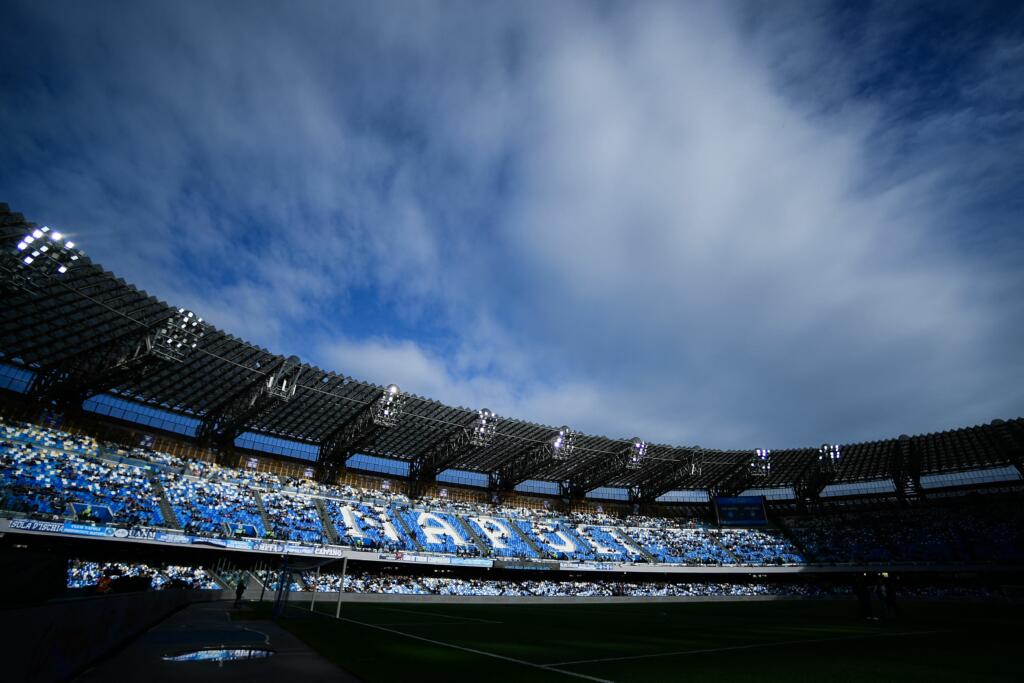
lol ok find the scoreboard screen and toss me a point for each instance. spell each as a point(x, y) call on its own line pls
point(740, 511)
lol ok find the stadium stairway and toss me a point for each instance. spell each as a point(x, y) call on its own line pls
point(527, 540)
point(485, 550)
point(636, 546)
point(409, 532)
point(170, 519)
point(215, 574)
point(726, 550)
point(780, 523)
point(264, 517)
point(326, 523)
point(254, 587)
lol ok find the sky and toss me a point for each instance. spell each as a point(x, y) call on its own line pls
point(732, 224)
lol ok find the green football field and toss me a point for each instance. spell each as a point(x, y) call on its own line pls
point(737, 641)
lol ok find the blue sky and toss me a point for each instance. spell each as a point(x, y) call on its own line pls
point(733, 224)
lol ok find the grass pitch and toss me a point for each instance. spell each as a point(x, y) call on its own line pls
point(738, 641)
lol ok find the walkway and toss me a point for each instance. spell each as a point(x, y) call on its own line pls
point(207, 625)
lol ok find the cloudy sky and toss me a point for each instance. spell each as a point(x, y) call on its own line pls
point(732, 224)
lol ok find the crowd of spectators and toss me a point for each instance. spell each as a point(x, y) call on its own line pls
point(438, 532)
point(213, 506)
point(499, 534)
point(682, 546)
point(362, 582)
point(983, 532)
point(47, 472)
point(103, 576)
point(362, 526)
point(36, 478)
point(753, 546)
point(211, 499)
point(293, 517)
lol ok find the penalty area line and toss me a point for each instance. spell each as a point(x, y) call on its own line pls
point(545, 667)
point(754, 646)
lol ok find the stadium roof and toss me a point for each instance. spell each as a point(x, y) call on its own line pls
point(81, 332)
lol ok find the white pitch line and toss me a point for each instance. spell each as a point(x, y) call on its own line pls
point(545, 667)
point(745, 647)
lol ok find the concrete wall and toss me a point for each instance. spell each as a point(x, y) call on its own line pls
point(54, 641)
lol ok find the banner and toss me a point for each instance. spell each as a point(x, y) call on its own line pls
point(178, 538)
point(86, 529)
point(596, 566)
point(328, 551)
point(169, 537)
point(520, 564)
point(34, 525)
point(470, 562)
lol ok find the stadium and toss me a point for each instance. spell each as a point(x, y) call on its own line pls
point(150, 457)
point(457, 340)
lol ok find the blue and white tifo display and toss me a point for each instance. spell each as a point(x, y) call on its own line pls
point(53, 482)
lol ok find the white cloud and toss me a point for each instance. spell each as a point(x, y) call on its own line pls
point(582, 404)
point(647, 220)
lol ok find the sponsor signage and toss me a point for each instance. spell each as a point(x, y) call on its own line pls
point(77, 529)
point(267, 547)
point(177, 538)
point(35, 525)
point(513, 564)
point(596, 566)
point(470, 562)
point(142, 534)
point(168, 537)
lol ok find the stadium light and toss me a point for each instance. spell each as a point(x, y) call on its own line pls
point(280, 385)
point(179, 336)
point(485, 428)
point(697, 458)
point(284, 381)
point(829, 457)
point(40, 254)
point(760, 463)
point(388, 410)
point(563, 444)
point(636, 454)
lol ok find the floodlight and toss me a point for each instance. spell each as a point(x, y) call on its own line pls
point(179, 335)
point(388, 409)
point(280, 384)
point(697, 458)
point(636, 454)
point(563, 444)
point(760, 463)
point(485, 428)
point(43, 253)
point(829, 456)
